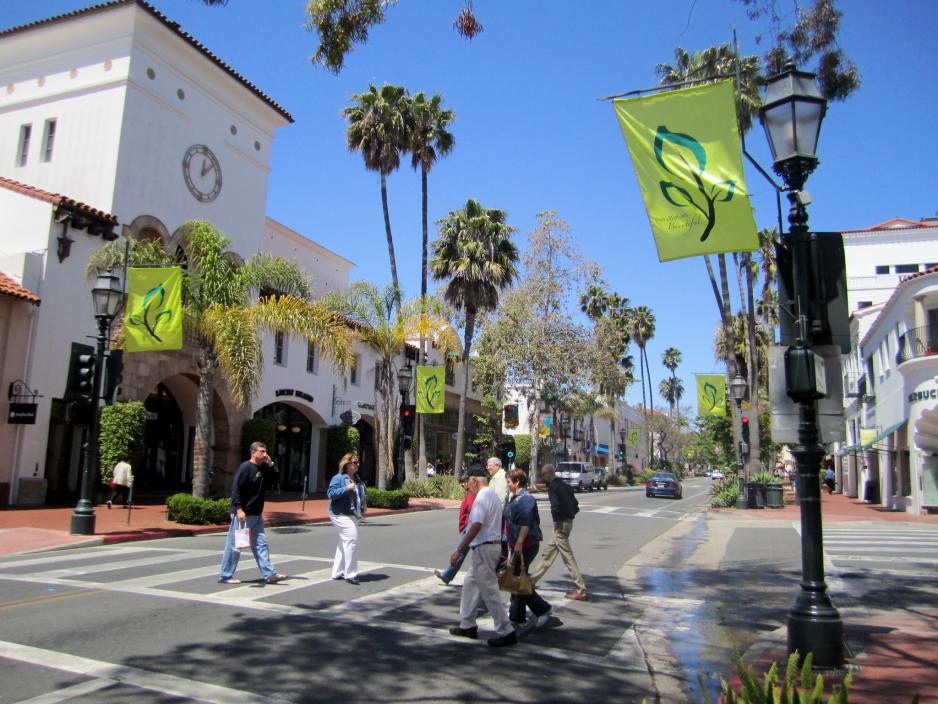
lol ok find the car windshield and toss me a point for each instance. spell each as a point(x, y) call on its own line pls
point(569, 467)
point(664, 477)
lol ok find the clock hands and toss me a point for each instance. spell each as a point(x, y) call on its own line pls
point(206, 167)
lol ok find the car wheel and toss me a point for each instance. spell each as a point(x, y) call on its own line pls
point(647, 494)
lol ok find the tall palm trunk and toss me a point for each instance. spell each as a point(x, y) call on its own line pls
point(755, 446)
point(461, 422)
point(421, 418)
point(385, 416)
point(202, 453)
point(387, 231)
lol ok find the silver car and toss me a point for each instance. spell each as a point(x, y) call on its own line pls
point(579, 475)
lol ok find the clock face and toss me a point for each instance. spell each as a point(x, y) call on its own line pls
point(202, 172)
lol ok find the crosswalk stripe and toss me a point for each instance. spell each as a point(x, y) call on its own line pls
point(191, 690)
point(67, 556)
point(66, 693)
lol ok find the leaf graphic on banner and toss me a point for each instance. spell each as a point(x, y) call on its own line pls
point(710, 395)
point(430, 392)
point(679, 150)
point(150, 307)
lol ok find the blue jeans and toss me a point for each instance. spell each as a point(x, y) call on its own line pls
point(451, 569)
point(229, 562)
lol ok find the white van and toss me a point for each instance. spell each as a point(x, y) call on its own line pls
point(579, 475)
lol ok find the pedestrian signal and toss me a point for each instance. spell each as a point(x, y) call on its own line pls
point(408, 412)
point(511, 454)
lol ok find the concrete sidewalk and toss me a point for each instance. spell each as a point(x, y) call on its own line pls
point(892, 647)
point(37, 529)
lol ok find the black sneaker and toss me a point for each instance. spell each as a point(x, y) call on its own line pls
point(502, 641)
point(441, 577)
point(472, 632)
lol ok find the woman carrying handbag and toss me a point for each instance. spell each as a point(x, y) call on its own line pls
point(523, 530)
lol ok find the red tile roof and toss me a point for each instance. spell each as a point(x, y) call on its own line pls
point(174, 26)
point(8, 287)
point(57, 200)
point(899, 224)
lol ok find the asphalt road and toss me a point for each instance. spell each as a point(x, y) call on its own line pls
point(149, 621)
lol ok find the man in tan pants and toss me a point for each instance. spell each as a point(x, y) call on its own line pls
point(563, 509)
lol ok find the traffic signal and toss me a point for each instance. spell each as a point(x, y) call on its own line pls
point(408, 413)
point(84, 377)
point(113, 376)
point(744, 434)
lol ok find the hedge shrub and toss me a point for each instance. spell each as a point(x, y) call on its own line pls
point(724, 494)
point(185, 508)
point(386, 498)
point(522, 450)
point(121, 436)
point(445, 487)
point(618, 480)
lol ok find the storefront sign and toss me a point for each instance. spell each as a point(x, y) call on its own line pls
point(22, 414)
point(926, 395)
point(294, 392)
point(366, 406)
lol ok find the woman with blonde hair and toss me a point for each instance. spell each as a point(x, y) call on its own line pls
point(346, 507)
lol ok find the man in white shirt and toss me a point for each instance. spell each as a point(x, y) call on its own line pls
point(497, 479)
point(483, 540)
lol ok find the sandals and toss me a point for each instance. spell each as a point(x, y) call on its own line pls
point(274, 578)
point(230, 580)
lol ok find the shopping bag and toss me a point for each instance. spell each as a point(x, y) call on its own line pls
point(515, 578)
point(242, 538)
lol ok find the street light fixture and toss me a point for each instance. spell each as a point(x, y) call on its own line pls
point(107, 296)
point(404, 376)
point(738, 389)
point(792, 114)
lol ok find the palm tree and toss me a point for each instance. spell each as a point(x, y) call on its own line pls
point(378, 128)
point(384, 326)
point(595, 302)
point(671, 358)
point(226, 303)
point(642, 323)
point(428, 139)
point(476, 257)
point(672, 390)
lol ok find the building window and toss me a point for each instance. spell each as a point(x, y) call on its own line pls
point(906, 268)
point(930, 266)
point(864, 304)
point(48, 140)
point(882, 269)
point(22, 155)
point(311, 358)
point(353, 370)
point(280, 349)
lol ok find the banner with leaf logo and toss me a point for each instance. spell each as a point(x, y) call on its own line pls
point(711, 395)
point(154, 309)
point(686, 152)
point(431, 390)
point(635, 435)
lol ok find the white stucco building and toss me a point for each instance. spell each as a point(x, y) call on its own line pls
point(115, 122)
point(891, 374)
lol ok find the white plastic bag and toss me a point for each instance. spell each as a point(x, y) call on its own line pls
point(242, 538)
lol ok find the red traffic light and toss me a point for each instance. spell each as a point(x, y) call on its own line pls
point(405, 412)
point(744, 420)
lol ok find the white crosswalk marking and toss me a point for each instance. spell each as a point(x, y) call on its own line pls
point(911, 551)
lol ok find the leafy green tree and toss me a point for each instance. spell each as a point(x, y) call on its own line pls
point(378, 128)
point(476, 258)
point(341, 24)
point(386, 328)
point(223, 317)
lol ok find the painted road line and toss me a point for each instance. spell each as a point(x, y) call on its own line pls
point(188, 689)
point(67, 693)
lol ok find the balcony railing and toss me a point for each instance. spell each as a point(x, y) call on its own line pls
point(917, 342)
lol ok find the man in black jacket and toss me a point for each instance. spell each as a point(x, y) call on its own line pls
point(247, 510)
point(563, 509)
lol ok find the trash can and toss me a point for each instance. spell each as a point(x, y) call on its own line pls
point(756, 493)
point(871, 493)
point(774, 497)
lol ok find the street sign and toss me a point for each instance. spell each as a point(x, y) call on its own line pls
point(22, 414)
point(350, 417)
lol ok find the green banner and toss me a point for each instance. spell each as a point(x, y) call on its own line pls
point(635, 434)
point(154, 310)
point(686, 152)
point(431, 389)
point(711, 395)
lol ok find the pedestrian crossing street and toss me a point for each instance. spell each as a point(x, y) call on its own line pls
point(870, 550)
point(406, 598)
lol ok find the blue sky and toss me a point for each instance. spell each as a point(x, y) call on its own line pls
point(532, 136)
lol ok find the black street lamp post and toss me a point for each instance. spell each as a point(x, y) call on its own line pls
point(738, 388)
point(792, 115)
point(108, 296)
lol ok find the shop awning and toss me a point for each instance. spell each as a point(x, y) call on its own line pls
point(602, 449)
point(888, 431)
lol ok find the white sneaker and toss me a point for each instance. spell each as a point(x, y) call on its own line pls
point(543, 618)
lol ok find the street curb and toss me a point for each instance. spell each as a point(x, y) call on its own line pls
point(188, 532)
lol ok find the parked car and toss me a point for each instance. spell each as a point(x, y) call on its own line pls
point(717, 474)
point(602, 478)
point(579, 475)
point(664, 484)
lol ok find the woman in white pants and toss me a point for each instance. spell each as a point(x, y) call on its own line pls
point(346, 506)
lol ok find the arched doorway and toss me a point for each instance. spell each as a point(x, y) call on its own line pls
point(366, 451)
point(291, 449)
point(164, 437)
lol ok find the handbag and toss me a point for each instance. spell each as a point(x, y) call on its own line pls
point(242, 538)
point(514, 578)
